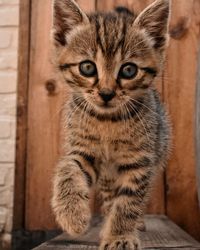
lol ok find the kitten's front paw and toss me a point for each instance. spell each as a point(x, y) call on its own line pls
point(74, 217)
point(120, 243)
point(141, 225)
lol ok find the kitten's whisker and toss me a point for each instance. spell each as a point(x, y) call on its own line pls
point(88, 110)
point(131, 105)
point(84, 119)
point(129, 115)
point(127, 128)
point(134, 100)
point(70, 116)
point(72, 112)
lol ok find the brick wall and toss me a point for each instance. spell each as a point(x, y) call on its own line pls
point(9, 12)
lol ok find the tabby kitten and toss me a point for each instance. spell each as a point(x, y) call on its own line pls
point(117, 132)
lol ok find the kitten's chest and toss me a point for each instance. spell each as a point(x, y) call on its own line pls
point(108, 133)
point(108, 152)
point(107, 157)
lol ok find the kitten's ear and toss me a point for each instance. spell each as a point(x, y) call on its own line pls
point(67, 17)
point(155, 21)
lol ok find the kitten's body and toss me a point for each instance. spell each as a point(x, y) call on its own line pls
point(118, 146)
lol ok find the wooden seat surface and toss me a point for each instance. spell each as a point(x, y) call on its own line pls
point(161, 233)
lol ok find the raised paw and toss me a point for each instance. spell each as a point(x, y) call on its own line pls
point(74, 215)
point(121, 243)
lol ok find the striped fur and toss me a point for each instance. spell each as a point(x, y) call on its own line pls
point(119, 146)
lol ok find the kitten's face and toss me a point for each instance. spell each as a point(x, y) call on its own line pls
point(110, 59)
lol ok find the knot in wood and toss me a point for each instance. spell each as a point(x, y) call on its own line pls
point(51, 87)
point(180, 29)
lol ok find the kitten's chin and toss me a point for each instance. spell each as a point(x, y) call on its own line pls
point(105, 108)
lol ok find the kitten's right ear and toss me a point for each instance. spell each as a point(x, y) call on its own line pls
point(155, 21)
point(67, 17)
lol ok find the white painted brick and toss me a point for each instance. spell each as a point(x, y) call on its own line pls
point(8, 82)
point(15, 37)
point(8, 104)
point(9, 15)
point(5, 129)
point(3, 213)
point(9, 2)
point(8, 60)
point(9, 198)
point(4, 193)
point(10, 183)
point(6, 170)
point(9, 221)
point(5, 38)
point(9, 19)
point(7, 151)
point(13, 129)
point(3, 216)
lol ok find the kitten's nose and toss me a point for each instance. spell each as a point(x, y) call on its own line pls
point(107, 94)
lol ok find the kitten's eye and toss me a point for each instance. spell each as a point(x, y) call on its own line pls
point(88, 69)
point(128, 71)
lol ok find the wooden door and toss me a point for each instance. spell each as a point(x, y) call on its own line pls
point(176, 192)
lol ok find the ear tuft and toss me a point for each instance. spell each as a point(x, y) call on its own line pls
point(155, 21)
point(67, 16)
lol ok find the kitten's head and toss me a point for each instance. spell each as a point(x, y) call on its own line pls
point(108, 59)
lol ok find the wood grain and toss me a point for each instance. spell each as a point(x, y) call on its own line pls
point(180, 95)
point(161, 234)
point(198, 128)
point(157, 199)
point(22, 101)
point(44, 106)
point(135, 5)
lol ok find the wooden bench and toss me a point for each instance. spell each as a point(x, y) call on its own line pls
point(161, 234)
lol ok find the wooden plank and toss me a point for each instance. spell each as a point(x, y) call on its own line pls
point(157, 199)
point(135, 5)
point(86, 5)
point(198, 128)
point(161, 234)
point(45, 98)
point(42, 121)
point(180, 93)
point(22, 96)
point(83, 247)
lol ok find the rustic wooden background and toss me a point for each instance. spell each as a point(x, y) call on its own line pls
point(39, 102)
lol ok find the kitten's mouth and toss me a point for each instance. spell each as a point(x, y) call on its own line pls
point(106, 105)
point(105, 110)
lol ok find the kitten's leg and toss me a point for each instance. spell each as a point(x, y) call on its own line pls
point(105, 187)
point(120, 228)
point(73, 179)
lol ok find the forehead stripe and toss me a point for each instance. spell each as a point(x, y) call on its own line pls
point(98, 35)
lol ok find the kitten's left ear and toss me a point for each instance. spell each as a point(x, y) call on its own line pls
point(67, 17)
point(155, 21)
